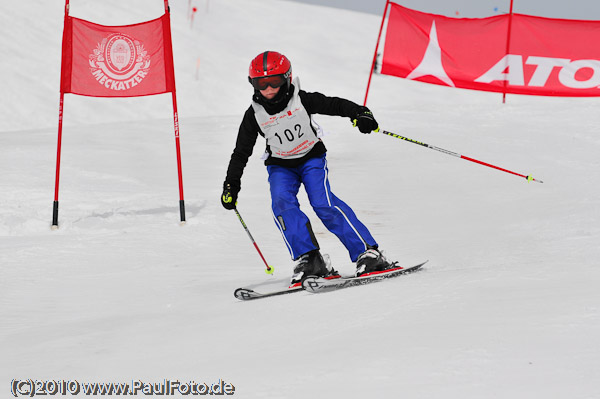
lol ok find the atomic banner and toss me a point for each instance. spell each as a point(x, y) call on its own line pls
point(510, 53)
point(117, 61)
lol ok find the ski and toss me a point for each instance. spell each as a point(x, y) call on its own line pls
point(317, 284)
point(248, 293)
point(321, 284)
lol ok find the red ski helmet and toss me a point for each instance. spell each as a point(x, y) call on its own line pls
point(270, 69)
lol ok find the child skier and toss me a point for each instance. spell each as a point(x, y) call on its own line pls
point(295, 154)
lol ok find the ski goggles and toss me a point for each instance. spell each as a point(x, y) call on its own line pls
point(261, 83)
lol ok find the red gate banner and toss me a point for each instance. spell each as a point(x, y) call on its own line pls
point(550, 57)
point(117, 61)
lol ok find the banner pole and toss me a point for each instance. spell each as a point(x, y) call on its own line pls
point(179, 169)
point(176, 126)
point(58, 152)
point(508, 46)
point(376, 48)
point(60, 128)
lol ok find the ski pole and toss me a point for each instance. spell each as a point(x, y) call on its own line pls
point(269, 269)
point(454, 154)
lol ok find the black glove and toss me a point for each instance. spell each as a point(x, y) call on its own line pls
point(365, 121)
point(229, 196)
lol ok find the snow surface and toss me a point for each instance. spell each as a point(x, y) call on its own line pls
point(507, 307)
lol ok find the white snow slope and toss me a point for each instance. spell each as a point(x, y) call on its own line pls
point(507, 307)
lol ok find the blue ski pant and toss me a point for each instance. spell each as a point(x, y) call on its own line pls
point(294, 225)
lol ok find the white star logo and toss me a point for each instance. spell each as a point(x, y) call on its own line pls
point(431, 64)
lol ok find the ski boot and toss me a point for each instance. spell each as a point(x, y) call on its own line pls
point(372, 260)
point(311, 264)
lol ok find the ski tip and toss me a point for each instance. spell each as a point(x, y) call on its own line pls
point(417, 267)
point(243, 294)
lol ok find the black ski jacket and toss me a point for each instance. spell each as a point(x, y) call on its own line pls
point(314, 103)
